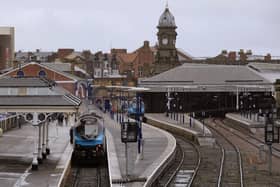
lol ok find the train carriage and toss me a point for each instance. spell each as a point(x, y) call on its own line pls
point(88, 137)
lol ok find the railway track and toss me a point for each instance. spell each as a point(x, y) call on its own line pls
point(194, 165)
point(208, 171)
point(183, 169)
point(255, 141)
point(87, 176)
point(254, 165)
point(231, 170)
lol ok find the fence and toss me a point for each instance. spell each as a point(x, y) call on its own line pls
point(9, 123)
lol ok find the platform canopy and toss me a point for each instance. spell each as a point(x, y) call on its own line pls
point(39, 103)
point(33, 94)
point(208, 78)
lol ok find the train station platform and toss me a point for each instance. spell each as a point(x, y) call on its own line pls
point(158, 148)
point(193, 127)
point(252, 121)
point(16, 152)
point(248, 122)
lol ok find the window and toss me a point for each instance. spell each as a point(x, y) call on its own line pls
point(140, 71)
point(42, 73)
point(20, 74)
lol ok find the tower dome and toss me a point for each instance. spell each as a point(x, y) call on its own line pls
point(166, 19)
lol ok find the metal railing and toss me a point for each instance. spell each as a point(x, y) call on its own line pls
point(8, 123)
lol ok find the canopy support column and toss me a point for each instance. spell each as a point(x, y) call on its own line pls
point(35, 153)
point(40, 160)
point(47, 136)
point(44, 154)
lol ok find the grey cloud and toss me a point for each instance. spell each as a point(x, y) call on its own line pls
point(205, 27)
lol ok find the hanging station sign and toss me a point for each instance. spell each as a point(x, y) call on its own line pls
point(129, 131)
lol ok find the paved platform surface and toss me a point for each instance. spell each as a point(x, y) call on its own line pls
point(193, 125)
point(253, 122)
point(204, 137)
point(158, 145)
point(16, 151)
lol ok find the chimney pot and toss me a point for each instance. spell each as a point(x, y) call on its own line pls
point(146, 43)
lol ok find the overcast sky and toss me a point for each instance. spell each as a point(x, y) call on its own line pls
point(205, 27)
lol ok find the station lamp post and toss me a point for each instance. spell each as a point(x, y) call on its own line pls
point(241, 106)
point(259, 114)
point(168, 99)
point(169, 102)
point(172, 105)
point(176, 105)
point(139, 115)
point(271, 133)
point(250, 106)
point(245, 104)
point(203, 129)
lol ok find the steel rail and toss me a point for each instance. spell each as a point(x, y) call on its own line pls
point(237, 151)
point(252, 137)
point(198, 164)
point(221, 167)
point(177, 169)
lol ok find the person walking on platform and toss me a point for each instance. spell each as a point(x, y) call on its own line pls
point(19, 122)
point(66, 116)
point(60, 119)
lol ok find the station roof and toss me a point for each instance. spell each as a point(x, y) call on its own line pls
point(206, 77)
point(25, 82)
point(47, 103)
point(265, 67)
point(269, 71)
point(55, 101)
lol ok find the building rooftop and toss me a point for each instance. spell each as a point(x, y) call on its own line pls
point(40, 100)
point(7, 30)
point(25, 82)
point(265, 67)
point(59, 66)
point(208, 74)
point(269, 71)
point(208, 78)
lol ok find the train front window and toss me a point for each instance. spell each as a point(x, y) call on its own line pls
point(91, 130)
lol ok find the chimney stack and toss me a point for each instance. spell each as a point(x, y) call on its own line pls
point(242, 55)
point(267, 57)
point(232, 56)
point(224, 52)
point(146, 44)
point(249, 52)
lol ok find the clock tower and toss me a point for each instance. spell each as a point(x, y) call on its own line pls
point(166, 56)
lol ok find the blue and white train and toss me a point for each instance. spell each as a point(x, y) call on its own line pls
point(134, 110)
point(88, 137)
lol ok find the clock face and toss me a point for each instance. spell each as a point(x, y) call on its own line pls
point(164, 41)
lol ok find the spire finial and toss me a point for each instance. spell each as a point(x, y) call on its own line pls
point(166, 6)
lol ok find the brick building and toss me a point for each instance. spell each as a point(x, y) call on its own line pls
point(241, 57)
point(67, 81)
point(7, 47)
point(136, 64)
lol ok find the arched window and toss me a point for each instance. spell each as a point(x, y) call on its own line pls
point(20, 74)
point(42, 73)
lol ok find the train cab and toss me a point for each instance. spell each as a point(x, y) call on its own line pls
point(88, 137)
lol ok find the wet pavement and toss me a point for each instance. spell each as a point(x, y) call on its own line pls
point(16, 152)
